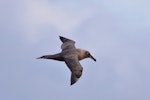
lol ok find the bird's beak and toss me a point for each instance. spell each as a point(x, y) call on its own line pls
point(38, 58)
point(92, 57)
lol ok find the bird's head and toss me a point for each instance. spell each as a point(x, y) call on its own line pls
point(88, 55)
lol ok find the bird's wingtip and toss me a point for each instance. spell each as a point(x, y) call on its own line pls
point(71, 84)
point(61, 36)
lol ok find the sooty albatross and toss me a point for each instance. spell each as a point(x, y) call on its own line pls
point(71, 56)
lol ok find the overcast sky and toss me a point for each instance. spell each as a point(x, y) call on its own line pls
point(116, 32)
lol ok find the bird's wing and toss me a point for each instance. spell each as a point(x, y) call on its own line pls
point(75, 67)
point(67, 43)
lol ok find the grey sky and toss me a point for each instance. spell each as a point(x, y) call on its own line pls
point(116, 32)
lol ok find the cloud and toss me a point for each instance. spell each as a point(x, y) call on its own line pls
point(38, 13)
point(121, 42)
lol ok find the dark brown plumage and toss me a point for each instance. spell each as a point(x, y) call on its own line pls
point(71, 56)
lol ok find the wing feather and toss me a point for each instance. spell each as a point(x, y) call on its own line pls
point(67, 43)
point(75, 68)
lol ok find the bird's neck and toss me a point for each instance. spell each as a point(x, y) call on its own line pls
point(81, 54)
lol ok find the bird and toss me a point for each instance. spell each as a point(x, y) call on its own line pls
point(71, 56)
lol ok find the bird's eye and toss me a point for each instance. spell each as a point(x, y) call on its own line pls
point(88, 54)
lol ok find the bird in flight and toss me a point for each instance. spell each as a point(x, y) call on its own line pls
point(71, 56)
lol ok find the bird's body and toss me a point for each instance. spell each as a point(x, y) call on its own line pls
point(71, 56)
